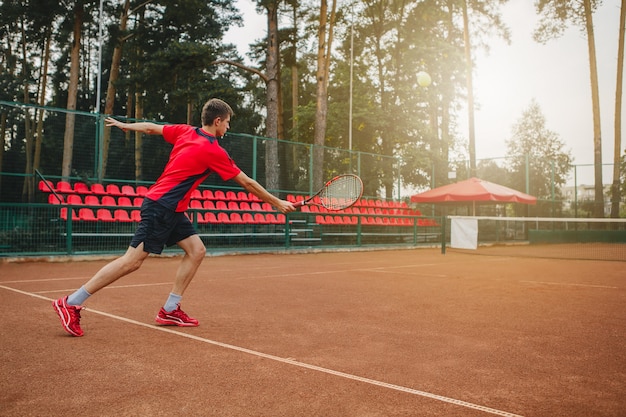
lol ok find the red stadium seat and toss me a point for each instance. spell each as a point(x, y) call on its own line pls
point(92, 200)
point(142, 190)
point(244, 206)
point(124, 202)
point(219, 195)
point(211, 218)
point(122, 216)
point(255, 207)
point(98, 189)
point(208, 205)
point(45, 186)
point(196, 204)
point(137, 201)
point(242, 196)
point(55, 199)
point(235, 218)
point(104, 215)
point(81, 188)
point(86, 214)
point(208, 195)
point(221, 205)
point(135, 215)
point(196, 195)
point(223, 218)
point(74, 200)
point(64, 212)
point(107, 200)
point(232, 205)
point(114, 190)
point(247, 218)
point(259, 218)
point(275, 219)
point(64, 187)
point(271, 218)
point(231, 196)
point(128, 190)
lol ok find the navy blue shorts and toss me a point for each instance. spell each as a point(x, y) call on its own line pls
point(160, 227)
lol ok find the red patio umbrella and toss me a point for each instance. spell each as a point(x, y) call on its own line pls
point(474, 190)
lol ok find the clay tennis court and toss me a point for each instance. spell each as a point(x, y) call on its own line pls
point(370, 333)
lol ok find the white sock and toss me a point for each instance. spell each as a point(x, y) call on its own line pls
point(172, 302)
point(78, 297)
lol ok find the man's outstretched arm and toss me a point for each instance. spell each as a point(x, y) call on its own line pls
point(143, 127)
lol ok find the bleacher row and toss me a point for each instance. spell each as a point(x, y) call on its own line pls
point(115, 203)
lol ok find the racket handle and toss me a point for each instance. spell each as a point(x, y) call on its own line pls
point(298, 204)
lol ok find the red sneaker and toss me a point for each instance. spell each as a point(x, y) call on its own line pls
point(69, 315)
point(175, 318)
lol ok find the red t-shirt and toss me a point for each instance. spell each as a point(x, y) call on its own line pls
point(195, 155)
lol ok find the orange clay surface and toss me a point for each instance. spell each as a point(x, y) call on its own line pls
point(372, 333)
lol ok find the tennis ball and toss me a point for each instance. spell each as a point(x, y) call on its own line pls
point(423, 79)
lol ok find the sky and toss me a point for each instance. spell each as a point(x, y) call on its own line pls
point(510, 76)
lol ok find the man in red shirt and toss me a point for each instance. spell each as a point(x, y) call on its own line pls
point(196, 154)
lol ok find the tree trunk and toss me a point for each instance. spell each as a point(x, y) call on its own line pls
point(595, 100)
point(294, 80)
point(138, 139)
point(617, 149)
point(109, 102)
point(3, 129)
point(27, 189)
point(323, 57)
point(72, 92)
point(42, 100)
point(470, 91)
point(272, 168)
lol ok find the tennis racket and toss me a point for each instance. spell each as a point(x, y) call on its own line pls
point(337, 194)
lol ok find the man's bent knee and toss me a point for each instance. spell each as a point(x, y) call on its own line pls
point(198, 252)
point(194, 248)
point(133, 258)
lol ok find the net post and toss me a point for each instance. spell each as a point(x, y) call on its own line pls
point(68, 229)
point(287, 232)
point(444, 221)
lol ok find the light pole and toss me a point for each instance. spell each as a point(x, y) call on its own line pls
point(351, 77)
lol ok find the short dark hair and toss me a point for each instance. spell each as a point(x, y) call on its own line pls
point(213, 109)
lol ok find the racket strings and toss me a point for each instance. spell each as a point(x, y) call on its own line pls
point(341, 192)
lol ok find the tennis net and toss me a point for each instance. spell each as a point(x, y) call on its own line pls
point(564, 238)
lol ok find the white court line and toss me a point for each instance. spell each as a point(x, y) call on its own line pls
point(292, 362)
point(565, 284)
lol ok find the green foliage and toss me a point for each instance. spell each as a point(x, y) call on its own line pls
point(168, 47)
point(555, 15)
point(534, 146)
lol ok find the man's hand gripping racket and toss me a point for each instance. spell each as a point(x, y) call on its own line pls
point(339, 193)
